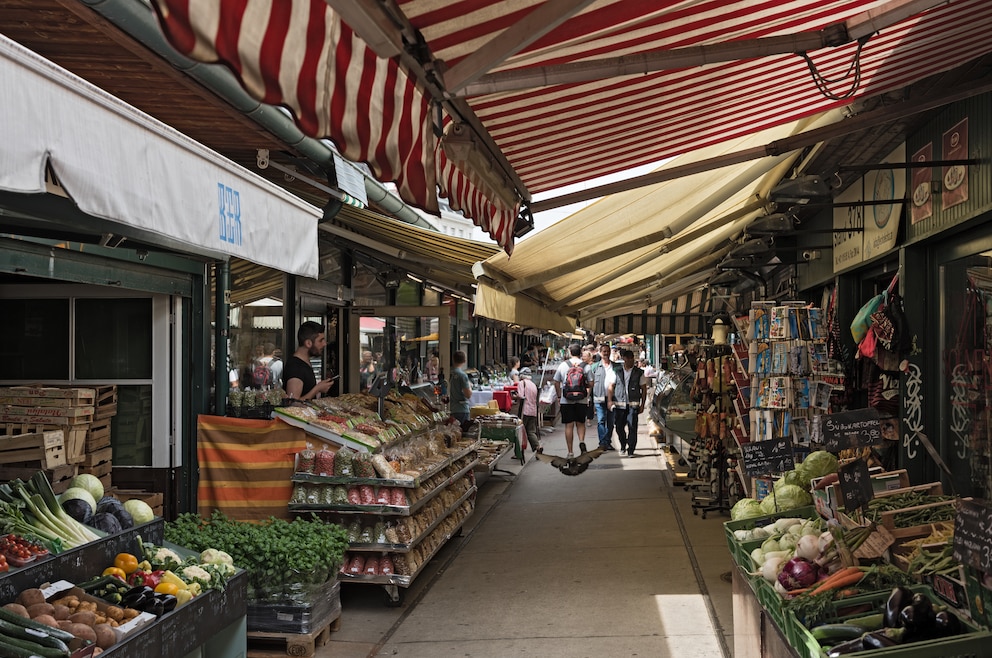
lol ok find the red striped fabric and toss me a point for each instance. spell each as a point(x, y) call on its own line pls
point(296, 52)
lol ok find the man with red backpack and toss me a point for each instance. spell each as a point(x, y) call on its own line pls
point(573, 384)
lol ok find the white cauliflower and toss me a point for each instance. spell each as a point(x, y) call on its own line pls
point(216, 556)
point(195, 573)
point(164, 558)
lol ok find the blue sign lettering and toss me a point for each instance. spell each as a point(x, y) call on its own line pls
point(229, 207)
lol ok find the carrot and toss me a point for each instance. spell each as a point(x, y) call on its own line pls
point(843, 578)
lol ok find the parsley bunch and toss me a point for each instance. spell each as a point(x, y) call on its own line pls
point(284, 560)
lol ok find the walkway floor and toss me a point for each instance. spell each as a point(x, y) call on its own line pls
point(609, 563)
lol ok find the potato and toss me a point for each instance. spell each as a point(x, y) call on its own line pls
point(96, 651)
point(65, 624)
point(105, 637)
point(17, 609)
point(41, 609)
point(47, 620)
point(83, 617)
point(83, 632)
point(29, 597)
point(61, 611)
point(114, 612)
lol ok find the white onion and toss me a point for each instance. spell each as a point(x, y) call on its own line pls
point(770, 569)
point(808, 547)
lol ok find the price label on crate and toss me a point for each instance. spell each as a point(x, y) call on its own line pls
point(973, 534)
point(767, 457)
point(855, 485)
point(849, 429)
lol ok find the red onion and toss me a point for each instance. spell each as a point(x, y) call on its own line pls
point(798, 573)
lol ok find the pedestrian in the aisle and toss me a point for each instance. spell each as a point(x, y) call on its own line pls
point(588, 354)
point(527, 390)
point(603, 377)
point(514, 369)
point(573, 386)
point(460, 389)
point(626, 397)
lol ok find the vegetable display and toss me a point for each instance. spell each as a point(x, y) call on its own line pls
point(284, 560)
point(32, 510)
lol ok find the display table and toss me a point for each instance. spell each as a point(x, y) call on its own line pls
point(755, 634)
point(504, 427)
point(480, 398)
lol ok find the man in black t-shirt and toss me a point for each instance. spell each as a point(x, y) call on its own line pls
point(301, 383)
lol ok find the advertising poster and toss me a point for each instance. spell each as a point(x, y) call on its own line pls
point(922, 201)
point(955, 177)
point(849, 226)
point(882, 220)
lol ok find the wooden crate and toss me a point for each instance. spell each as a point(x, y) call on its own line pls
point(99, 470)
point(81, 396)
point(60, 476)
point(155, 500)
point(888, 520)
point(97, 457)
point(44, 448)
point(106, 402)
point(43, 415)
point(97, 435)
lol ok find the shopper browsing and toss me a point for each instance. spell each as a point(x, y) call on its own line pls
point(626, 397)
point(460, 389)
point(301, 382)
point(572, 385)
point(514, 369)
point(527, 390)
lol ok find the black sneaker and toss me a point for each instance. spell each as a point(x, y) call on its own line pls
point(607, 448)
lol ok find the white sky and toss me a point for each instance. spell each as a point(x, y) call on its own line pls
point(545, 219)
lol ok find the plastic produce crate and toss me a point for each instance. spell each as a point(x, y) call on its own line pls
point(974, 643)
point(742, 557)
point(772, 602)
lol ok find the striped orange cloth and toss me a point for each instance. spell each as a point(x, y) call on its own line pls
point(246, 466)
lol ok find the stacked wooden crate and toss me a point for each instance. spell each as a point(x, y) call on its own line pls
point(44, 428)
point(98, 453)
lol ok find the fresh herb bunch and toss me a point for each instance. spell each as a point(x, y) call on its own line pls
point(284, 560)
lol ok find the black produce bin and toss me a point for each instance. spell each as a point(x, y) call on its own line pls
point(294, 617)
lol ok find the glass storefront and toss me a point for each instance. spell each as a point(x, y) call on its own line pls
point(966, 290)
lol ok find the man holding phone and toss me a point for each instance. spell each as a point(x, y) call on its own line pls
point(301, 383)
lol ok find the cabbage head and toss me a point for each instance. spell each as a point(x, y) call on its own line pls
point(817, 465)
point(788, 496)
point(745, 508)
point(791, 477)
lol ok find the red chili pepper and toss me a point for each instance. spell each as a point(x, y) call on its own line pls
point(136, 578)
point(154, 578)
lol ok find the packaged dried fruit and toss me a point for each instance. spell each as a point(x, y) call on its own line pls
point(354, 496)
point(339, 495)
point(305, 461)
point(362, 466)
point(367, 494)
point(357, 564)
point(386, 565)
point(398, 497)
point(324, 462)
point(372, 566)
point(342, 463)
point(383, 496)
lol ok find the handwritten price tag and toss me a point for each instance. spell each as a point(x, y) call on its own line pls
point(855, 485)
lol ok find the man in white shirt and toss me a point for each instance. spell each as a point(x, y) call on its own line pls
point(573, 408)
point(602, 377)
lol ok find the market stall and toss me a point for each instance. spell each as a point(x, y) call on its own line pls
point(840, 558)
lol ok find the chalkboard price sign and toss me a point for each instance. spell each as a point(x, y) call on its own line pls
point(855, 485)
point(767, 457)
point(849, 429)
point(973, 534)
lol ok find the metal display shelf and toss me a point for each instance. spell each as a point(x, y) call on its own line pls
point(385, 510)
point(394, 581)
point(405, 548)
point(503, 447)
point(385, 482)
point(324, 433)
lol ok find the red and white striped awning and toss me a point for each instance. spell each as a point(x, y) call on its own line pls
point(299, 53)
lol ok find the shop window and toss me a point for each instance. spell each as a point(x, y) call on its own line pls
point(113, 339)
point(967, 435)
point(34, 344)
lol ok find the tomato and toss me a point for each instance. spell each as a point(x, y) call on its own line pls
point(117, 572)
point(166, 588)
point(126, 562)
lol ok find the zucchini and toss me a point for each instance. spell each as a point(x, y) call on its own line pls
point(833, 633)
point(868, 622)
point(37, 636)
point(34, 647)
point(8, 650)
point(10, 617)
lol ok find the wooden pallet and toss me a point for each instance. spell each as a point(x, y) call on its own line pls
point(266, 644)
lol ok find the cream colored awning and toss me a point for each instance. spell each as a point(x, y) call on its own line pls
point(636, 249)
